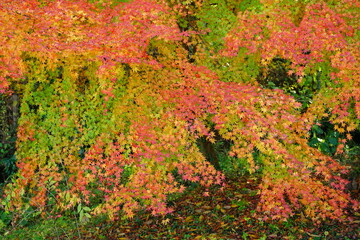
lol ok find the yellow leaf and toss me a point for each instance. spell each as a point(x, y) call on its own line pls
point(189, 219)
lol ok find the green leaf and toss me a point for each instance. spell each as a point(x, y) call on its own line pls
point(87, 209)
point(333, 141)
point(313, 142)
point(79, 208)
point(317, 129)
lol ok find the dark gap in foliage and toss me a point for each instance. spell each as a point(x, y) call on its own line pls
point(82, 81)
point(324, 137)
point(208, 150)
point(276, 76)
point(9, 114)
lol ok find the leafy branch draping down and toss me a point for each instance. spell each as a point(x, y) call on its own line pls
point(114, 97)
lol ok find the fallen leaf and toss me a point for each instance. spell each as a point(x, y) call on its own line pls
point(189, 219)
point(148, 222)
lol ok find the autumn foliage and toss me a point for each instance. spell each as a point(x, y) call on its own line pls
point(115, 96)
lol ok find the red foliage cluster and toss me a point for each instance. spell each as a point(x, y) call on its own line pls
point(112, 33)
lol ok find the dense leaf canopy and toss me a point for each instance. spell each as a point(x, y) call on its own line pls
point(116, 95)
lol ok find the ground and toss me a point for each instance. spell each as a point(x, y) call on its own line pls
point(227, 214)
